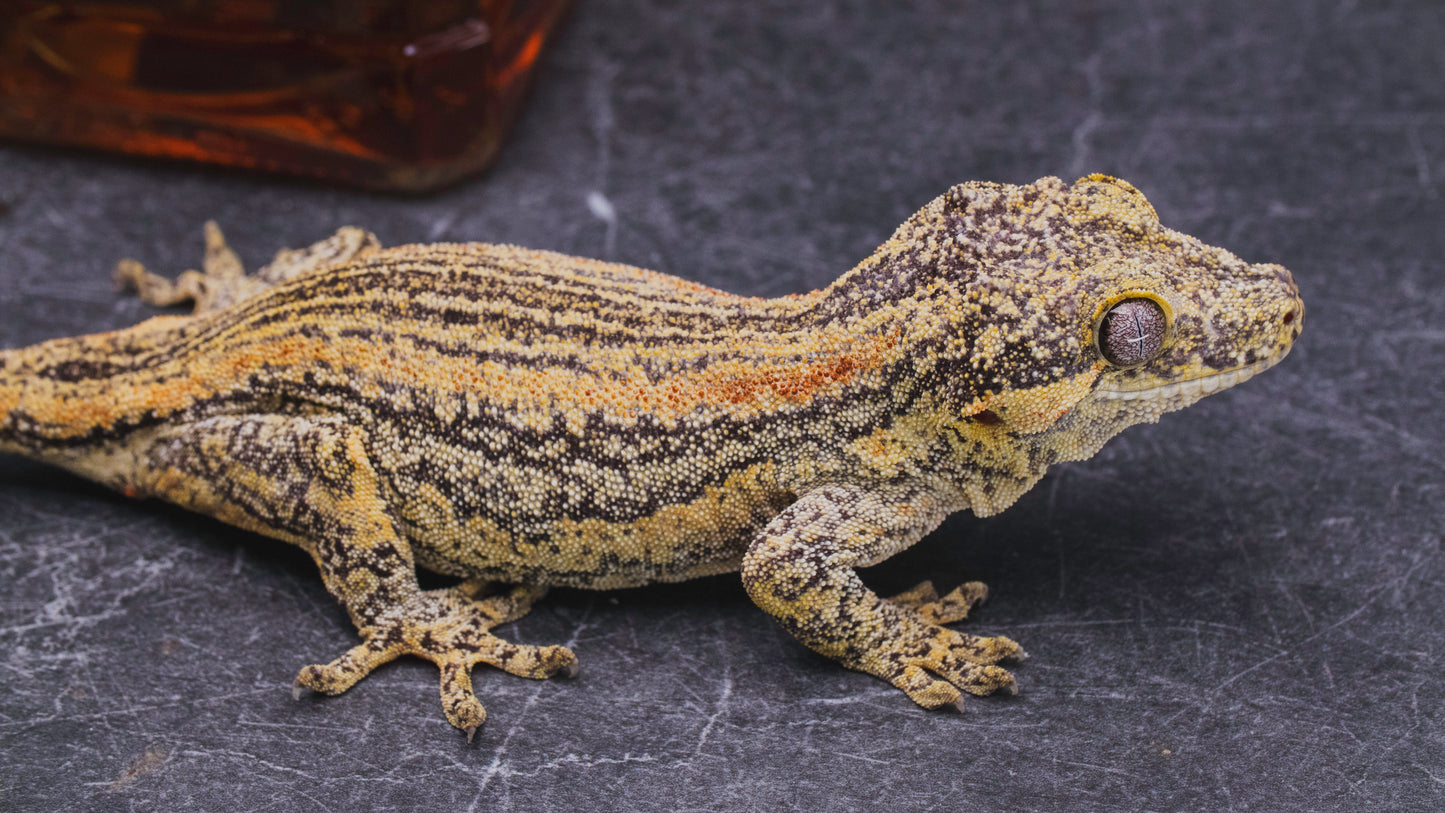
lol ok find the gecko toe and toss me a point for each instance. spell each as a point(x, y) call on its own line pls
point(570, 668)
point(462, 708)
point(990, 679)
point(927, 691)
point(924, 600)
point(993, 650)
point(344, 672)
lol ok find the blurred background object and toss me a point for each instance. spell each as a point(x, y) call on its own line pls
point(388, 94)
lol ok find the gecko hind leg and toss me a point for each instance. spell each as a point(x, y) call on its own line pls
point(223, 281)
point(310, 481)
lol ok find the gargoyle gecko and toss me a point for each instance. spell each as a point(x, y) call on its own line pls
point(522, 419)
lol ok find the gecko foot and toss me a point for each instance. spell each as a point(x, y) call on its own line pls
point(964, 662)
point(222, 281)
point(921, 651)
point(451, 629)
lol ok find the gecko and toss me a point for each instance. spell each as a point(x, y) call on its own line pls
point(521, 419)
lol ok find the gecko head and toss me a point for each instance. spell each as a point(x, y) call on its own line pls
point(1171, 319)
point(1065, 313)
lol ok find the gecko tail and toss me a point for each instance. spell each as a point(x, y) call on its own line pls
point(61, 398)
point(9, 402)
point(20, 430)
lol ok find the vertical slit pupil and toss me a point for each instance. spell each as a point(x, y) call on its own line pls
point(1132, 332)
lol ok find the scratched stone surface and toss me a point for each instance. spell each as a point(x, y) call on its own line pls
point(1237, 609)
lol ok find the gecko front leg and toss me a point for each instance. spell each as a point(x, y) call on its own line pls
point(310, 481)
point(800, 569)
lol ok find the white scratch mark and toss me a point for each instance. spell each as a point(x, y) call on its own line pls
point(1433, 778)
point(1422, 161)
point(1374, 593)
point(722, 706)
point(497, 766)
point(604, 122)
point(1081, 623)
point(862, 758)
point(1079, 163)
point(1104, 768)
point(852, 699)
point(591, 762)
point(441, 225)
point(603, 210)
point(249, 758)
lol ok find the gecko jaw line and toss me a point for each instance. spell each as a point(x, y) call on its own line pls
point(1204, 385)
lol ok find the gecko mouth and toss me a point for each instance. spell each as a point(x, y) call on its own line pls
point(1200, 387)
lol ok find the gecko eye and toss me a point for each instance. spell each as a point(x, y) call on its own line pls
point(1132, 332)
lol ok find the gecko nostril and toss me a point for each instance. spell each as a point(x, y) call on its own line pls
point(1289, 317)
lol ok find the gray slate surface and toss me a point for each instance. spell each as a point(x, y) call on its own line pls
point(1237, 609)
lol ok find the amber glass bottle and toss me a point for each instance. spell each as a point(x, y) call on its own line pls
point(387, 94)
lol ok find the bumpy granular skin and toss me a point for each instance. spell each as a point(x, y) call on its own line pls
point(525, 418)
